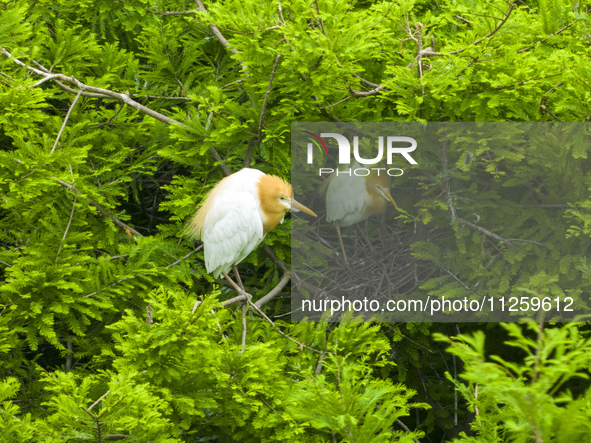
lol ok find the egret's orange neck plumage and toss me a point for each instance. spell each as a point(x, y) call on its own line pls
point(270, 189)
point(377, 204)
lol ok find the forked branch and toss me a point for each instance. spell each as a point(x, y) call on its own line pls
point(94, 92)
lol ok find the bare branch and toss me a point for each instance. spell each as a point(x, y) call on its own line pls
point(276, 290)
point(248, 154)
point(230, 301)
point(419, 27)
point(280, 11)
point(91, 91)
point(376, 90)
point(243, 295)
point(482, 230)
point(73, 91)
point(40, 82)
point(320, 363)
point(366, 94)
point(403, 426)
point(244, 325)
point(462, 18)
point(219, 35)
point(367, 82)
point(216, 31)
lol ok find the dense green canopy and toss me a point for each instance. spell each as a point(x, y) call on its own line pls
point(118, 116)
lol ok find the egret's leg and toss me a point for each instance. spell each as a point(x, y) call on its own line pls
point(364, 235)
point(232, 283)
point(238, 279)
point(244, 305)
point(337, 225)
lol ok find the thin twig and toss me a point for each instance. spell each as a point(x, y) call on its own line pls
point(543, 40)
point(67, 227)
point(419, 27)
point(110, 286)
point(462, 18)
point(367, 82)
point(301, 345)
point(160, 97)
point(490, 34)
point(403, 426)
point(99, 399)
point(102, 210)
point(266, 100)
point(69, 357)
point(497, 237)
point(232, 83)
point(40, 82)
point(197, 249)
point(340, 101)
point(114, 115)
point(544, 100)
point(381, 20)
point(59, 134)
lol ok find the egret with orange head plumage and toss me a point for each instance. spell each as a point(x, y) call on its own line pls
point(237, 214)
point(350, 199)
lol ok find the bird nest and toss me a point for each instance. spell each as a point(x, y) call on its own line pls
point(379, 265)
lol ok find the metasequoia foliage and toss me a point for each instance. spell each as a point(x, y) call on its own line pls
point(116, 119)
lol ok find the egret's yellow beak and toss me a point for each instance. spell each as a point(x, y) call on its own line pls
point(297, 206)
point(387, 194)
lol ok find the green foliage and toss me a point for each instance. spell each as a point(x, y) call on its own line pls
point(530, 400)
point(125, 408)
point(349, 403)
point(100, 334)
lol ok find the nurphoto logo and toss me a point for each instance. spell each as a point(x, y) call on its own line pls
point(394, 145)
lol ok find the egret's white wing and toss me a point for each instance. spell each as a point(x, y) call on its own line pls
point(233, 228)
point(344, 198)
